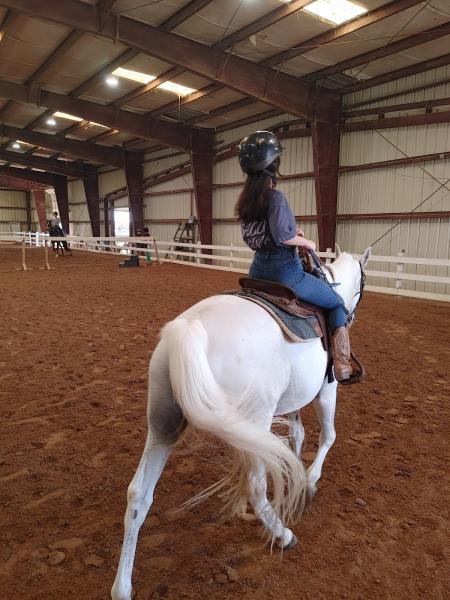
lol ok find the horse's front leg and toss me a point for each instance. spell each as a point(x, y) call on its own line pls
point(325, 405)
point(296, 433)
point(264, 510)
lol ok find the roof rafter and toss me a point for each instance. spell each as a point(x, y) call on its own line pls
point(263, 83)
point(409, 42)
point(86, 150)
point(327, 37)
point(47, 179)
point(175, 135)
point(49, 165)
point(361, 59)
point(425, 65)
point(271, 18)
point(21, 184)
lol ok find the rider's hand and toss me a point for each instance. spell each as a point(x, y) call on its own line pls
point(309, 245)
point(300, 232)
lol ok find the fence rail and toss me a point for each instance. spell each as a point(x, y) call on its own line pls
point(237, 258)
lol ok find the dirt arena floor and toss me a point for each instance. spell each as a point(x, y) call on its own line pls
point(74, 348)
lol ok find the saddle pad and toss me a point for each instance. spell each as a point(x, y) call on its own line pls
point(297, 329)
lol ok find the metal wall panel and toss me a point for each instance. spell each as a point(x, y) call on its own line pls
point(183, 182)
point(13, 213)
point(108, 182)
point(369, 95)
point(165, 163)
point(177, 206)
point(361, 147)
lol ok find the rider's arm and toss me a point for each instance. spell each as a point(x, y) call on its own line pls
point(298, 240)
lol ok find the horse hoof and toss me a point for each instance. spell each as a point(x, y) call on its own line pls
point(292, 543)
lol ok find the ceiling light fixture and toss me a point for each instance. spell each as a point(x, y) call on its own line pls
point(168, 86)
point(176, 88)
point(133, 75)
point(51, 121)
point(64, 115)
point(16, 145)
point(112, 81)
point(335, 11)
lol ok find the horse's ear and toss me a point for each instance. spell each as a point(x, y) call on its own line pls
point(337, 251)
point(365, 256)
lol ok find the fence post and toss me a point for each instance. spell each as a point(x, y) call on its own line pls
point(231, 257)
point(400, 268)
point(198, 251)
point(328, 260)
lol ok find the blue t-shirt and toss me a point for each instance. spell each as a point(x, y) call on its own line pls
point(279, 226)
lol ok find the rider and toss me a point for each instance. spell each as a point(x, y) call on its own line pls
point(269, 227)
point(56, 221)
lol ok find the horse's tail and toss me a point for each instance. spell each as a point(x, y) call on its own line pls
point(206, 406)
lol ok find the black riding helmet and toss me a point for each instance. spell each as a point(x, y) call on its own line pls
point(257, 151)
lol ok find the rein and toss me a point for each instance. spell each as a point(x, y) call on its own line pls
point(362, 281)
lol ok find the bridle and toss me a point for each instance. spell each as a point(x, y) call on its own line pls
point(359, 293)
point(362, 282)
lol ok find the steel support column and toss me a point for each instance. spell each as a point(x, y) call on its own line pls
point(62, 198)
point(202, 174)
point(326, 141)
point(134, 174)
point(112, 221)
point(39, 200)
point(106, 217)
point(92, 198)
point(28, 207)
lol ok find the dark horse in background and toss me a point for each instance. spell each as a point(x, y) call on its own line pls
point(57, 245)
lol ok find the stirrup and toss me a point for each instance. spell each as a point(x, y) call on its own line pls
point(357, 375)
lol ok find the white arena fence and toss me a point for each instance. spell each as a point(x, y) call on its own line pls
point(398, 275)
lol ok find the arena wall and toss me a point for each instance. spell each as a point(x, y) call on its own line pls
point(13, 210)
point(364, 192)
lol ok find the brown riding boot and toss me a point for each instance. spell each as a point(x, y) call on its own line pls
point(340, 344)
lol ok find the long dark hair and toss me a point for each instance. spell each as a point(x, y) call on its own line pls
point(253, 200)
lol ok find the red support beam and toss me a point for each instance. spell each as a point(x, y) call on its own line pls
point(171, 134)
point(112, 220)
point(36, 176)
point(101, 154)
point(19, 183)
point(389, 108)
point(93, 199)
point(39, 200)
point(28, 207)
point(62, 199)
point(202, 174)
point(106, 216)
point(50, 165)
point(394, 122)
point(135, 187)
point(326, 143)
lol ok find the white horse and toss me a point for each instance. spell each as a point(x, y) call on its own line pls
point(226, 367)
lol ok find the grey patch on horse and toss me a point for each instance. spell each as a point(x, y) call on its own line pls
point(167, 420)
point(135, 514)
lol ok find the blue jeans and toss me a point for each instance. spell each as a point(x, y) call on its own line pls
point(284, 266)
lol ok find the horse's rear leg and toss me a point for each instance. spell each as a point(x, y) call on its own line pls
point(264, 510)
point(325, 405)
point(165, 425)
point(296, 433)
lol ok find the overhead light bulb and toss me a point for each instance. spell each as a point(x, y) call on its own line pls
point(51, 121)
point(112, 81)
point(16, 145)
